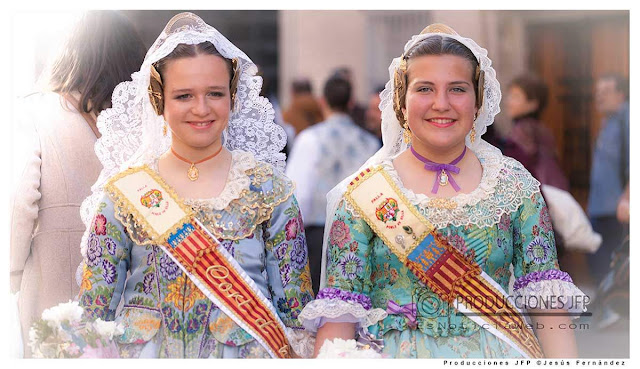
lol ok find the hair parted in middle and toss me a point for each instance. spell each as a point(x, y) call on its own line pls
point(434, 45)
point(188, 51)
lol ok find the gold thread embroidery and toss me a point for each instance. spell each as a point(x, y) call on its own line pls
point(125, 205)
point(443, 203)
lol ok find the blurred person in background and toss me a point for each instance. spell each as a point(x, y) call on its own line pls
point(356, 111)
point(609, 184)
point(530, 141)
point(304, 110)
point(322, 156)
point(60, 164)
point(373, 114)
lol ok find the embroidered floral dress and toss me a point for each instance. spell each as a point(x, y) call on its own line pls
point(504, 223)
point(257, 220)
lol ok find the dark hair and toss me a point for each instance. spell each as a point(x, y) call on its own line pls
point(103, 50)
point(434, 45)
point(189, 51)
point(534, 89)
point(621, 83)
point(301, 86)
point(337, 92)
point(378, 89)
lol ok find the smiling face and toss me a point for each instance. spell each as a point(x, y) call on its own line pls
point(440, 101)
point(197, 102)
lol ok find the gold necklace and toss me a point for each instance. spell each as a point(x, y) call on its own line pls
point(193, 173)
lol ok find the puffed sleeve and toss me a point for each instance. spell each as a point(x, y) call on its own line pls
point(539, 283)
point(106, 254)
point(26, 194)
point(288, 266)
point(346, 297)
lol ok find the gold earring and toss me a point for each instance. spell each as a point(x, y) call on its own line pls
point(164, 129)
point(472, 134)
point(406, 135)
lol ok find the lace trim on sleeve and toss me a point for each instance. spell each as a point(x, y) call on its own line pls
point(551, 294)
point(318, 311)
point(302, 342)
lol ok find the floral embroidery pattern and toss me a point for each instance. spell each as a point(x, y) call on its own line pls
point(545, 219)
point(109, 271)
point(147, 283)
point(299, 254)
point(538, 250)
point(351, 266)
point(100, 225)
point(339, 234)
point(110, 246)
point(291, 229)
point(176, 297)
point(94, 250)
point(169, 269)
point(86, 284)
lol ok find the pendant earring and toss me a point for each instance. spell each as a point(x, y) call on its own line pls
point(406, 135)
point(472, 135)
point(164, 129)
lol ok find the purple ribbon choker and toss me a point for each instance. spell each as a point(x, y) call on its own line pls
point(443, 171)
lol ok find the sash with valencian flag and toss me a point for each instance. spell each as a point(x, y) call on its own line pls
point(454, 277)
point(170, 224)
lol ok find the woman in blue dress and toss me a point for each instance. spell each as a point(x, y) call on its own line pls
point(192, 116)
point(441, 96)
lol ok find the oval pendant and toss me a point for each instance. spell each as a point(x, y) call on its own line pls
point(444, 179)
point(193, 173)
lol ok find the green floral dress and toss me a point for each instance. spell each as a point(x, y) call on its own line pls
point(504, 225)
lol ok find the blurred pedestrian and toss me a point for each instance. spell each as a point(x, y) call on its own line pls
point(60, 165)
point(322, 156)
point(530, 141)
point(373, 114)
point(355, 110)
point(609, 169)
point(304, 110)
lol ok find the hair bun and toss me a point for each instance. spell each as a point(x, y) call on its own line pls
point(439, 28)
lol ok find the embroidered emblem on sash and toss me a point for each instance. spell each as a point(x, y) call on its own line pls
point(387, 210)
point(151, 199)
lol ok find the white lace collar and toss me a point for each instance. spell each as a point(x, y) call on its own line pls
point(237, 181)
point(503, 186)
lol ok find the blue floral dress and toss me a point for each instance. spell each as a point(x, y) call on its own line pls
point(256, 218)
point(504, 225)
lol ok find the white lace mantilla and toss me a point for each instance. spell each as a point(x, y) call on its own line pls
point(318, 312)
point(504, 185)
point(237, 181)
point(546, 294)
